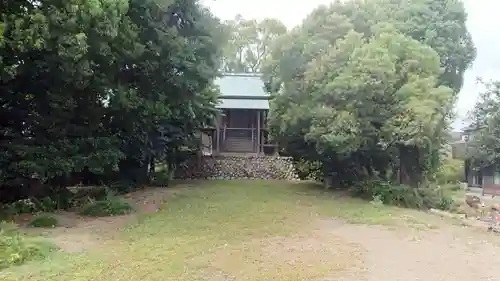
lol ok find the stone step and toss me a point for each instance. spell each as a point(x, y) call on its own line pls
point(238, 144)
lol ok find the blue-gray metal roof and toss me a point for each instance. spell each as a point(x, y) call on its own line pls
point(243, 104)
point(241, 85)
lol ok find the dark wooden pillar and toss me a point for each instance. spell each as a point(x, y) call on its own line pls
point(467, 171)
point(258, 132)
point(217, 134)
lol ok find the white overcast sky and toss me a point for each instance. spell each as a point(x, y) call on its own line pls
point(482, 23)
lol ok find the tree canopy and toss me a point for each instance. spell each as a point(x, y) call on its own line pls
point(484, 145)
point(102, 86)
point(249, 43)
point(368, 87)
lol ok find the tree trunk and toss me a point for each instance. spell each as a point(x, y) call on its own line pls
point(410, 172)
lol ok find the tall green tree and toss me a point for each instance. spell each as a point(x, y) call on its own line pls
point(100, 85)
point(440, 24)
point(484, 145)
point(55, 75)
point(249, 43)
point(365, 89)
point(168, 82)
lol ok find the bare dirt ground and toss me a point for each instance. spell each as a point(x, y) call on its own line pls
point(448, 253)
point(345, 252)
point(78, 233)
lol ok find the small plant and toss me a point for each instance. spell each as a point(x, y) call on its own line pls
point(377, 201)
point(44, 221)
point(434, 197)
point(450, 172)
point(23, 206)
point(403, 195)
point(94, 192)
point(17, 248)
point(88, 195)
point(162, 179)
point(308, 170)
point(112, 206)
point(34, 205)
point(48, 204)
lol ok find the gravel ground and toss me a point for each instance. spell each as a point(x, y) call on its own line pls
point(448, 253)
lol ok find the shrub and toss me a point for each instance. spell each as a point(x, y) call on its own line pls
point(452, 187)
point(451, 172)
point(402, 195)
point(48, 204)
point(23, 206)
point(94, 192)
point(112, 206)
point(121, 187)
point(90, 194)
point(16, 248)
point(44, 221)
point(434, 197)
point(34, 205)
point(308, 170)
point(161, 178)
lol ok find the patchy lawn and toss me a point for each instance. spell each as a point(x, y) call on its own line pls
point(261, 230)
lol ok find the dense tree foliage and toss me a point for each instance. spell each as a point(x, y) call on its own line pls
point(249, 43)
point(484, 145)
point(101, 86)
point(368, 87)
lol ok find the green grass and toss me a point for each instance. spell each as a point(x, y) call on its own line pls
point(209, 227)
point(44, 221)
point(17, 248)
point(108, 207)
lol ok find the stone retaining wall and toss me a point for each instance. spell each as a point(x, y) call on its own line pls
point(238, 167)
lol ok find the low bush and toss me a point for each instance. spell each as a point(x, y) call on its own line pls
point(23, 206)
point(403, 195)
point(17, 248)
point(90, 194)
point(451, 172)
point(434, 197)
point(34, 205)
point(44, 221)
point(452, 187)
point(308, 170)
point(121, 187)
point(112, 206)
point(161, 179)
point(76, 197)
point(94, 192)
